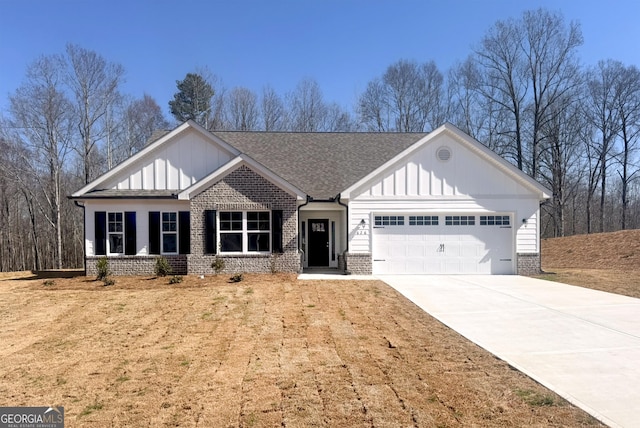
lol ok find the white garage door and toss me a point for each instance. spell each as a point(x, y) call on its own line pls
point(443, 244)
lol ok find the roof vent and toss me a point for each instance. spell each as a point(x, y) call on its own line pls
point(443, 154)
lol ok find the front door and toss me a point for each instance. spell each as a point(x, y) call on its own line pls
point(319, 242)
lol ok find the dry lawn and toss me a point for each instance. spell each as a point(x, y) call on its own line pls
point(268, 351)
point(602, 261)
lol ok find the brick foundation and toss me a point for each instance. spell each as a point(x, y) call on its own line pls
point(137, 265)
point(529, 264)
point(358, 264)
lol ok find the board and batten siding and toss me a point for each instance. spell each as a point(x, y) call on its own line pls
point(423, 174)
point(177, 165)
point(468, 182)
point(141, 208)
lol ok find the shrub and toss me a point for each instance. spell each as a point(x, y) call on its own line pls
point(218, 264)
point(236, 278)
point(102, 266)
point(162, 266)
point(49, 283)
point(175, 279)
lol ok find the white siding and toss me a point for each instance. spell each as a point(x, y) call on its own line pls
point(423, 174)
point(521, 208)
point(176, 165)
point(466, 183)
point(142, 209)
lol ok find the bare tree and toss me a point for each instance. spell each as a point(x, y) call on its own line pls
point(272, 110)
point(242, 109)
point(139, 120)
point(629, 113)
point(503, 80)
point(549, 50)
point(407, 98)
point(94, 83)
point(560, 160)
point(602, 108)
point(339, 120)
point(41, 120)
point(373, 107)
point(306, 107)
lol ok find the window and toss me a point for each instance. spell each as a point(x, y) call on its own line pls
point(116, 233)
point(258, 231)
point(460, 220)
point(494, 220)
point(169, 233)
point(423, 220)
point(389, 220)
point(242, 231)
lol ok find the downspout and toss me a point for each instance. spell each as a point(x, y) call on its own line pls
point(346, 225)
point(84, 232)
point(300, 250)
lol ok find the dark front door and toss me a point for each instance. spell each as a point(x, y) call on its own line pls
point(318, 242)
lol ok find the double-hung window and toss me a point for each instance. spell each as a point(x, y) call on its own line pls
point(116, 233)
point(245, 231)
point(169, 233)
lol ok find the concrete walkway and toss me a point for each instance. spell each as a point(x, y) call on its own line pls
point(583, 344)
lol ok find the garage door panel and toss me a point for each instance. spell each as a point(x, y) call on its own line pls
point(444, 249)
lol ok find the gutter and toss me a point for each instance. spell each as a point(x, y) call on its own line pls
point(84, 232)
point(346, 223)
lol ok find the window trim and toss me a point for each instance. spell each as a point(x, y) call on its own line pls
point(460, 220)
point(424, 220)
point(163, 233)
point(499, 220)
point(383, 220)
point(121, 233)
point(245, 232)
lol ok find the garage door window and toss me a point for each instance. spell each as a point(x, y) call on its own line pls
point(460, 220)
point(389, 220)
point(494, 220)
point(423, 220)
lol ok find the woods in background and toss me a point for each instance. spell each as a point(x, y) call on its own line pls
point(522, 92)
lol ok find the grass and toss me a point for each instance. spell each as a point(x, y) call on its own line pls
point(268, 360)
point(535, 398)
point(90, 409)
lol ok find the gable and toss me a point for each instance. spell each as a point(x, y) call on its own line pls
point(174, 162)
point(176, 165)
point(464, 169)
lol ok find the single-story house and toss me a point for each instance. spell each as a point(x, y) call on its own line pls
point(381, 203)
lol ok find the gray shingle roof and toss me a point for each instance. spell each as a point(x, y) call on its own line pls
point(321, 164)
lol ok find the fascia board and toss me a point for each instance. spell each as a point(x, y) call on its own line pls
point(152, 147)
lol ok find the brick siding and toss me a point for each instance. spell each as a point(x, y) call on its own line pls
point(137, 265)
point(244, 190)
point(358, 264)
point(529, 264)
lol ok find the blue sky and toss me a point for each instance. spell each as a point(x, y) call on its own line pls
point(343, 44)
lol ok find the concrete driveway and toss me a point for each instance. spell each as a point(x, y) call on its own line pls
point(583, 344)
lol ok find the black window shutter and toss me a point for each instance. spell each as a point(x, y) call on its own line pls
point(184, 231)
point(101, 233)
point(210, 243)
point(276, 231)
point(154, 232)
point(130, 233)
